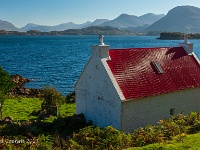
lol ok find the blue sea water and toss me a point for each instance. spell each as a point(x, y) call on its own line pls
point(59, 60)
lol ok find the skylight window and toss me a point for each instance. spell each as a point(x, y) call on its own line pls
point(157, 66)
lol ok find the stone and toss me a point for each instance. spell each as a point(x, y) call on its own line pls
point(19, 90)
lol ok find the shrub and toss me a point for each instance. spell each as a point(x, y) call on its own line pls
point(147, 135)
point(5, 81)
point(70, 98)
point(181, 124)
point(52, 100)
point(93, 137)
point(2, 96)
point(6, 84)
point(109, 138)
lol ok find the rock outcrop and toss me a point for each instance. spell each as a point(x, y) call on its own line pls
point(19, 89)
point(19, 80)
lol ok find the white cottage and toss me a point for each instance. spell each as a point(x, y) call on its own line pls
point(135, 87)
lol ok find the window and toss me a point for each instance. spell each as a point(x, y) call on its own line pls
point(172, 111)
point(157, 66)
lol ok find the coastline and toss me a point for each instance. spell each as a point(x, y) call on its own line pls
point(177, 36)
point(20, 90)
point(93, 30)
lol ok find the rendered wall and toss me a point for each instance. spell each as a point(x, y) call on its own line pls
point(148, 111)
point(96, 96)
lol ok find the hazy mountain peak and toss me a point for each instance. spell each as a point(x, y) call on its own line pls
point(31, 24)
point(125, 16)
point(70, 23)
point(152, 14)
point(185, 10)
point(87, 22)
point(179, 19)
point(126, 21)
point(4, 25)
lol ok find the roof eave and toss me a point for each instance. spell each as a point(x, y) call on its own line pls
point(196, 58)
point(112, 78)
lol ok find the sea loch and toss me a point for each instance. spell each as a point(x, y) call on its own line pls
point(59, 60)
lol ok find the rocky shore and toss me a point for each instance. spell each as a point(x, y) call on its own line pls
point(19, 89)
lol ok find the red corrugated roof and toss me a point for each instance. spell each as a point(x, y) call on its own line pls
point(138, 77)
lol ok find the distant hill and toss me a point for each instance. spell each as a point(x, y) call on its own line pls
point(31, 26)
point(60, 27)
point(96, 30)
point(179, 19)
point(4, 25)
point(177, 36)
point(92, 30)
point(126, 21)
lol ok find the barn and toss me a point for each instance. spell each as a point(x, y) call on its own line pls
point(134, 87)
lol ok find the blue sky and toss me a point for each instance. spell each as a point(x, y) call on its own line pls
point(54, 12)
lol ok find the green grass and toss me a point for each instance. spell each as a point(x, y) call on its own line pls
point(21, 108)
point(67, 110)
point(180, 142)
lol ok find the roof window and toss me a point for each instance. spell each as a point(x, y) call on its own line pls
point(157, 66)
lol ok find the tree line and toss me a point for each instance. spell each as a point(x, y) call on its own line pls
point(177, 36)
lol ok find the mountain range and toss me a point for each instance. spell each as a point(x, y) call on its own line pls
point(179, 19)
point(123, 21)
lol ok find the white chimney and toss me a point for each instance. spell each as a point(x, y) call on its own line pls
point(186, 38)
point(188, 47)
point(100, 50)
point(101, 40)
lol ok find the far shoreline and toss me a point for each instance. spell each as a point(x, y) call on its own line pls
point(93, 30)
point(177, 36)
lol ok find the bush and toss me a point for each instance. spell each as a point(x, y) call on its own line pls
point(70, 98)
point(2, 96)
point(109, 138)
point(93, 137)
point(6, 83)
point(52, 100)
point(147, 135)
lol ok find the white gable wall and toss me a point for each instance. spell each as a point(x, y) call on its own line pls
point(96, 97)
point(149, 110)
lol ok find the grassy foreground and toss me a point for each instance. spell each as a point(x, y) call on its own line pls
point(180, 142)
point(26, 131)
point(21, 108)
point(66, 132)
